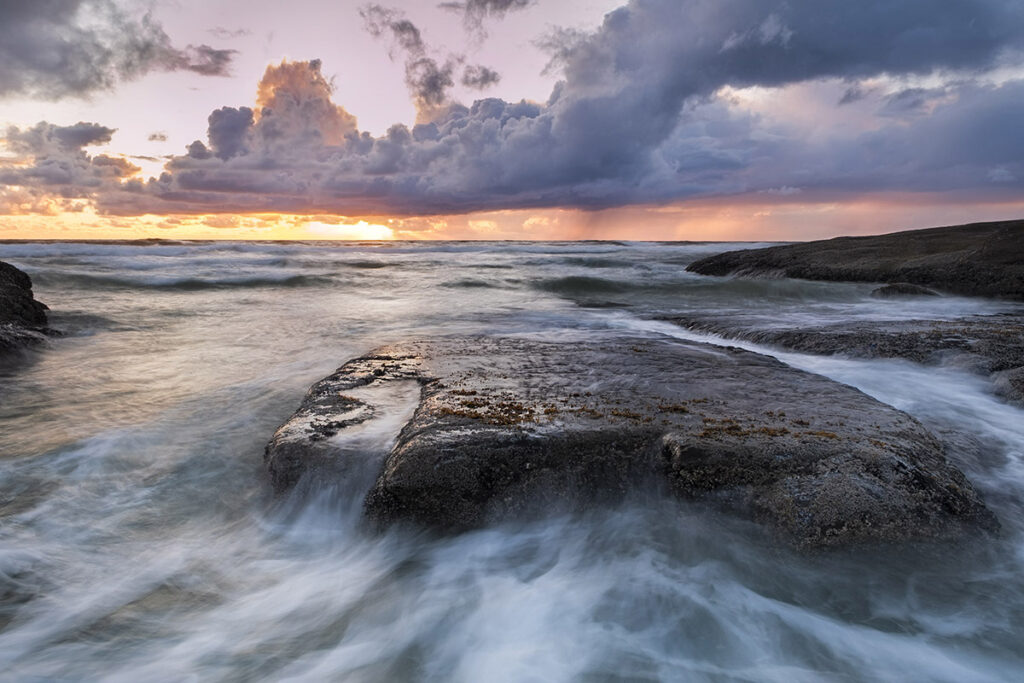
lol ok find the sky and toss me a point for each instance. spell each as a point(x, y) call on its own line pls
point(507, 119)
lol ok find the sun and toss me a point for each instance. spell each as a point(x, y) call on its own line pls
point(350, 231)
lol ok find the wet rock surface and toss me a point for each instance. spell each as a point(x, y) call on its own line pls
point(22, 318)
point(982, 259)
point(990, 345)
point(516, 427)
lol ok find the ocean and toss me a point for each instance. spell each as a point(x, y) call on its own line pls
point(139, 539)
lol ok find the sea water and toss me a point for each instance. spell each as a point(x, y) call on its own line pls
point(139, 539)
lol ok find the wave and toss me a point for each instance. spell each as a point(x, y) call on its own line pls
point(133, 249)
point(468, 283)
point(586, 288)
point(583, 285)
point(367, 265)
point(369, 255)
point(597, 262)
point(186, 284)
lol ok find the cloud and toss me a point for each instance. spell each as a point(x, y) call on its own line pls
point(560, 44)
point(203, 60)
point(294, 105)
point(474, 12)
point(51, 49)
point(294, 114)
point(294, 123)
point(51, 169)
point(479, 77)
point(428, 77)
point(668, 100)
point(45, 138)
point(853, 93)
point(227, 34)
point(228, 130)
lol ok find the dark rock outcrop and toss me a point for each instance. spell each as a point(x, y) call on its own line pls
point(512, 427)
point(22, 318)
point(990, 345)
point(982, 259)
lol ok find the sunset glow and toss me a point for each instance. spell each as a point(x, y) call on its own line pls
point(419, 122)
point(357, 231)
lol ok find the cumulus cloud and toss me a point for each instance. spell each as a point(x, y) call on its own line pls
point(650, 109)
point(50, 167)
point(294, 103)
point(58, 48)
point(44, 138)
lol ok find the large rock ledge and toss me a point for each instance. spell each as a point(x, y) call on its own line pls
point(982, 259)
point(511, 427)
point(991, 345)
point(22, 318)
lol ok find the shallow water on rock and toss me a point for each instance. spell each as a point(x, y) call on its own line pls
point(139, 539)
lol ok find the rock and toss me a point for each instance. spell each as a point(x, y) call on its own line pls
point(514, 427)
point(990, 345)
point(982, 259)
point(1009, 384)
point(22, 318)
point(902, 289)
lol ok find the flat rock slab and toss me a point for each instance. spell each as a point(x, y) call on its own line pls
point(506, 427)
point(992, 345)
point(982, 259)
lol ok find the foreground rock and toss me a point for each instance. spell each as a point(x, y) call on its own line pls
point(983, 259)
point(991, 345)
point(22, 318)
point(508, 427)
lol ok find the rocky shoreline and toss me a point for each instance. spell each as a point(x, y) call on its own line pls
point(23, 320)
point(981, 259)
point(506, 428)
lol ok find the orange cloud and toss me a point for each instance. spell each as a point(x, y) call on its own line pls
point(297, 91)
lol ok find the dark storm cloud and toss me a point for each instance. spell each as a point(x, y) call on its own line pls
point(58, 48)
point(643, 114)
